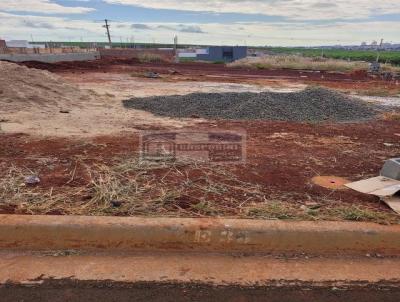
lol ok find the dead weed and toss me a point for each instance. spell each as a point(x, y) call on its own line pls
point(131, 187)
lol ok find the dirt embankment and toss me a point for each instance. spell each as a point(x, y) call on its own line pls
point(98, 65)
point(44, 103)
point(22, 88)
point(358, 81)
point(194, 69)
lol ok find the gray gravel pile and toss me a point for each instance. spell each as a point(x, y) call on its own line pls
point(311, 104)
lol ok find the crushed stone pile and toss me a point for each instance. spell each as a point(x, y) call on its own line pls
point(22, 87)
point(313, 104)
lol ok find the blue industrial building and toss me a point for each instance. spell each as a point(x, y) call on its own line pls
point(222, 53)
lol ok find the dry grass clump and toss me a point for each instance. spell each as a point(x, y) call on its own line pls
point(390, 68)
point(359, 213)
point(391, 116)
point(150, 58)
point(326, 210)
point(11, 185)
point(299, 62)
point(130, 187)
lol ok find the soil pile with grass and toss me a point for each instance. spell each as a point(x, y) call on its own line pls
point(311, 104)
point(21, 87)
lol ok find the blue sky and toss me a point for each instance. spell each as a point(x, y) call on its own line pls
point(250, 22)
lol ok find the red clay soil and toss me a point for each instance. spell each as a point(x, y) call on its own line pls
point(194, 69)
point(97, 65)
point(282, 157)
point(356, 81)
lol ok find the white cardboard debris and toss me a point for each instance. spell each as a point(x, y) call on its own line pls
point(380, 186)
point(393, 202)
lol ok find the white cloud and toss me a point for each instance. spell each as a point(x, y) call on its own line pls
point(293, 9)
point(41, 6)
point(184, 28)
point(46, 28)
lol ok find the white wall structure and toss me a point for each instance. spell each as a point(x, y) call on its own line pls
point(23, 44)
point(187, 55)
point(18, 43)
point(51, 58)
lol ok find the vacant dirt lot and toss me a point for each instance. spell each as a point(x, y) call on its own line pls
point(86, 153)
point(275, 182)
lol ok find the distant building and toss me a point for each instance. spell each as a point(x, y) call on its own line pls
point(216, 53)
point(223, 53)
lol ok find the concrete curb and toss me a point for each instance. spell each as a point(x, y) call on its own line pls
point(185, 234)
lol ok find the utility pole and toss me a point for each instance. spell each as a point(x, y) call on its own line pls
point(378, 51)
point(176, 49)
point(176, 43)
point(107, 27)
point(375, 67)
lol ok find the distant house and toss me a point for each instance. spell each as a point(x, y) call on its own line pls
point(217, 53)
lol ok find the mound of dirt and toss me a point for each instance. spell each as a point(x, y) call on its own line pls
point(312, 104)
point(22, 87)
point(103, 64)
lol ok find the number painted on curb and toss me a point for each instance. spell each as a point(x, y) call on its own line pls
point(226, 236)
point(202, 236)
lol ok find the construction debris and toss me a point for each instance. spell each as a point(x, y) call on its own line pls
point(32, 180)
point(383, 187)
point(391, 168)
point(312, 104)
point(386, 186)
point(152, 75)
